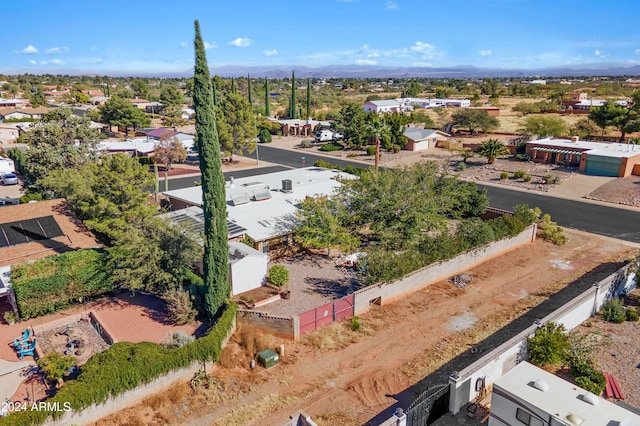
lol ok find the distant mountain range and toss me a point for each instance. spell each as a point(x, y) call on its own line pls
point(354, 71)
point(361, 71)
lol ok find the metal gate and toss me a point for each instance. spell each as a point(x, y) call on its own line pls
point(429, 406)
point(326, 314)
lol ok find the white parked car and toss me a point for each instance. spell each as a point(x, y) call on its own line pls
point(10, 179)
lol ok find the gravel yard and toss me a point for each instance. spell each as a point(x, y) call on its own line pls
point(620, 191)
point(314, 279)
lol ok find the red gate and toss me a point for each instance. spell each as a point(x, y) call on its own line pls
point(326, 314)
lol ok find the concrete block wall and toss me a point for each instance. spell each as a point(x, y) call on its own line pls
point(387, 292)
point(284, 327)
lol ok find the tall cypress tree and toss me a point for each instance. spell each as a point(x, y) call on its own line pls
point(215, 94)
point(308, 98)
point(216, 248)
point(249, 90)
point(294, 108)
point(233, 85)
point(267, 113)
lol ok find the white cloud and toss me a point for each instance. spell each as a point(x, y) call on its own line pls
point(52, 62)
point(270, 52)
point(32, 62)
point(184, 44)
point(241, 42)
point(365, 62)
point(391, 5)
point(208, 45)
point(484, 53)
point(421, 47)
point(599, 53)
point(29, 50)
point(93, 48)
point(53, 50)
point(637, 51)
point(95, 61)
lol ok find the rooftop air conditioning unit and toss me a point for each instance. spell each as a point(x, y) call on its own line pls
point(287, 185)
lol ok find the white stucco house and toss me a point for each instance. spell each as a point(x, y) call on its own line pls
point(421, 139)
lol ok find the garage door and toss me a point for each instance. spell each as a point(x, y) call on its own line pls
point(602, 166)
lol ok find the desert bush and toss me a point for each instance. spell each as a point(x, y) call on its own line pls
point(179, 306)
point(371, 150)
point(613, 311)
point(355, 323)
point(306, 143)
point(331, 146)
point(551, 231)
point(631, 315)
point(176, 339)
point(396, 148)
point(55, 365)
point(461, 166)
point(504, 175)
point(526, 178)
point(548, 345)
point(278, 275)
point(523, 157)
point(353, 155)
point(518, 174)
point(253, 340)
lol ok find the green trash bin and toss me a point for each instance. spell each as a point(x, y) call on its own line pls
point(268, 358)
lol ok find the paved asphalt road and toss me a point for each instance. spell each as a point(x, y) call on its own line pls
point(609, 221)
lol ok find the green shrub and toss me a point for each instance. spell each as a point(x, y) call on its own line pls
point(518, 174)
point(396, 148)
point(521, 147)
point(355, 323)
point(124, 366)
point(306, 143)
point(588, 377)
point(145, 160)
point(548, 345)
point(278, 275)
point(264, 136)
point(504, 175)
point(331, 146)
point(56, 282)
point(631, 315)
point(613, 311)
point(526, 178)
point(55, 365)
point(523, 157)
point(461, 166)
point(353, 155)
point(371, 150)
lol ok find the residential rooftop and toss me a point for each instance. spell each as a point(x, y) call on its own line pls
point(619, 150)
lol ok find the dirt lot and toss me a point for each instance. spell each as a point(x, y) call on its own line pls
point(339, 376)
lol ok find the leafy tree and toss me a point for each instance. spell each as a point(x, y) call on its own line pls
point(293, 107)
point(152, 255)
point(350, 123)
point(583, 128)
point(400, 206)
point(320, 225)
point(169, 150)
point(61, 141)
point(544, 126)
point(236, 125)
point(412, 91)
point(140, 88)
point(474, 119)
point(173, 117)
point(37, 98)
point(105, 195)
point(421, 117)
point(397, 123)
point(55, 366)
point(526, 108)
point(216, 252)
point(610, 114)
point(118, 111)
point(548, 345)
point(76, 97)
point(492, 149)
point(171, 96)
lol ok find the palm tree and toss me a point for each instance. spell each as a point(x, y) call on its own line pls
point(492, 149)
point(380, 130)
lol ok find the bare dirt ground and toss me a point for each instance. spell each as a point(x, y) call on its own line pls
point(346, 377)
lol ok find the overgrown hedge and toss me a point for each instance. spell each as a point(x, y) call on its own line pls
point(56, 282)
point(125, 366)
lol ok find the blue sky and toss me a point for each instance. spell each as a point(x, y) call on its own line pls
point(119, 37)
